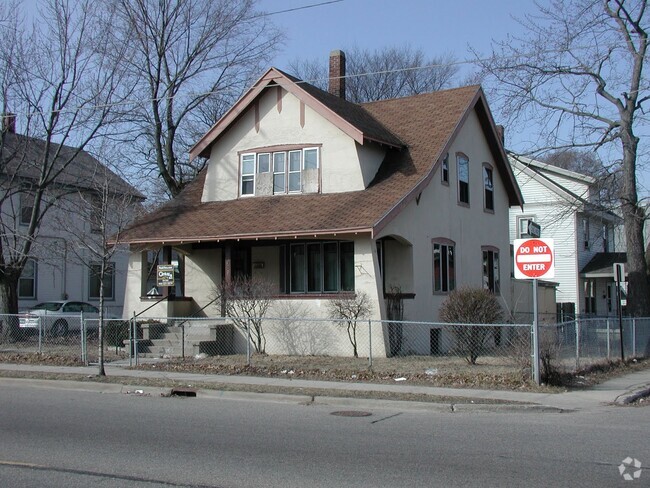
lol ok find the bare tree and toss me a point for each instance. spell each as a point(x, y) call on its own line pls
point(347, 311)
point(111, 205)
point(190, 60)
point(56, 79)
point(578, 74)
point(385, 73)
point(246, 301)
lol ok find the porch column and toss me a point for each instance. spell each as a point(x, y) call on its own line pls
point(227, 274)
point(167, 259)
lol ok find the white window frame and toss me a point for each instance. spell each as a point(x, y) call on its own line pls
point(304, 158)
point(282, 172)
point(270, 163)
point(488, 188)
point(444, 170)
point(465, 159)
point(294, 172)
point(247, 175)
point(520, 221)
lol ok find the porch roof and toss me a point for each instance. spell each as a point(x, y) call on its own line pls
point(426, 123)
point(602, 265)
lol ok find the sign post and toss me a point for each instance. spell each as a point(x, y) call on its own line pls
point(534, 259)
point(619, 276)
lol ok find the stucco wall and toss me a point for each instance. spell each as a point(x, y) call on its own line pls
point(345, 165)
point(438, 215)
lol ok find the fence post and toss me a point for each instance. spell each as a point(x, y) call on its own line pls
point(633, 338)
point(577, 344)
point(609, 346)
point(135, 341)
point(370, 343)
point(84, 344)
point(248, 342)
point(131, 340)
point(40, 334)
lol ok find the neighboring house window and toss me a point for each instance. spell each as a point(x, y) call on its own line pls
point(150, 261)
point(488, 188)
point(491, 271)
point(247, 174)
point(585, 233)
point(321, 267)
point(94, 281)
point(26, 208)
point(444, 272)
point(27, 280)
point(590, 297)
point(95, 215)
point(605, 238)
point(523, 223)
point(444, 170)
point(462, 163)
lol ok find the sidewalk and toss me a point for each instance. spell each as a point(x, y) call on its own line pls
point(612, 391)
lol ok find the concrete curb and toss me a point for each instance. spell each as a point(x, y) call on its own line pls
point(633, 395)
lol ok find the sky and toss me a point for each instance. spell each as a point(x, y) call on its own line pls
point(436, 27)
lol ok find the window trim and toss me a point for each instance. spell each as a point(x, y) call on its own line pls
point(520, 219)
point(488, 167)
point(241, 174)
point(462, 156)
point(496, 277)
point(451, 276)
point(34, 279)
point(92, 274)
point(22, 196)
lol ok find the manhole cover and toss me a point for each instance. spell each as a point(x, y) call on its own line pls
point(351, 413)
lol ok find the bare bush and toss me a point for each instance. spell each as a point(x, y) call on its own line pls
point(471, 306)
point(246, 301)
point(348, 310)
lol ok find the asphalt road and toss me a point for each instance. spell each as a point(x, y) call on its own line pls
point(65, 438)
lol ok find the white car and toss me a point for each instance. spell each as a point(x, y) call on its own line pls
point(60, 317)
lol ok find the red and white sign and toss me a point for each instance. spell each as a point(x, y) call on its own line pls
point(534, 259)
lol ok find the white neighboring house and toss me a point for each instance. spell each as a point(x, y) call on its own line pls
point(587, 244)
point(52, 271)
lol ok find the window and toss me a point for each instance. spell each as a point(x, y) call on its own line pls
point(590, 297)
point(321, 267)
point(523, 227)
point(248, 174)
point(95, 214)
point(462, 163)
point(94, 281)
point(26, 208)
point(279, 183)
point(444, 273)
point(488, 188)
point(27, 280)
point(444, 170)
point(585, 233)
point(287, 168)
point(605, 238)
point(264, 163)
point(150, 261)
point(491, 279)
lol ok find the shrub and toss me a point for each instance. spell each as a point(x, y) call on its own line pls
point(471, 306)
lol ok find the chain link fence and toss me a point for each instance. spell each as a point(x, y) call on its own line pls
point(400, 345)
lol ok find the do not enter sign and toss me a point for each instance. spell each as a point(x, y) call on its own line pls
point(534, 259)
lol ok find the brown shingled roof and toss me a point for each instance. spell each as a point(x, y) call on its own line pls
point(427, 125)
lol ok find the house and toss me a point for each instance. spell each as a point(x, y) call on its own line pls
point(405, 198)
point(57, 268)
point(586, 236)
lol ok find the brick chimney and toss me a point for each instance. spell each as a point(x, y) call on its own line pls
point(9, 122)
point(337, 74)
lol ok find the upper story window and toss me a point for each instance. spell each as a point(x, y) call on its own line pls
point(26, 208)
point(444, 170)
point(27, 280)
point(488, 188)
point(605, 238)
point(444, 269)
point(585, 233)
point(462, 166)
point(523, 227)
point(247, 174)
point(278, 172)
